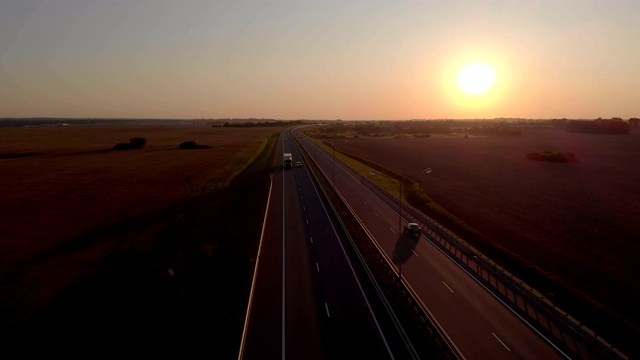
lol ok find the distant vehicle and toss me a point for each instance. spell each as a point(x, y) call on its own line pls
point(288, 160)
point(298, 164)
point(412, 229)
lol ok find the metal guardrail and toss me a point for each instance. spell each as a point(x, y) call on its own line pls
point(401, 283)
point(557, 325)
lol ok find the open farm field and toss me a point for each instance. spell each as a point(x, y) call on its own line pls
point(575, 223)
point(74, 182)
point(78, 215)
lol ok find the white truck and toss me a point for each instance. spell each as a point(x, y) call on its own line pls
point(288, 160)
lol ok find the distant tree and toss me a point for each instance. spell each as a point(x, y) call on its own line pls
point(550, 156)
point(598, 126)
point(559, 123)
point(188, 145)
point(192, 145)
point(635, 122)
point(138, 142)
point(134, 143)
point(122, 146)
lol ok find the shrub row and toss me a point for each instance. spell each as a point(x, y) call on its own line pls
point(550, 156)
point(139, 143)
point(134, 143)
point(193, 145)
point(598, 126)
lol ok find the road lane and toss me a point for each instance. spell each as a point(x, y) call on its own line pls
point(351, 327)
point(263, 332)
point(472, 317)
point(303, 303)
point(308, 301)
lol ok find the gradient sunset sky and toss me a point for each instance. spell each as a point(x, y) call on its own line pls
point(317, 59)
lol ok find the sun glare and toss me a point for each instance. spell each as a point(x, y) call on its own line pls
point(476, 79)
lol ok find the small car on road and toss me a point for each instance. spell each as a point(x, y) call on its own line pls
point(298, 164)
point(412, 229)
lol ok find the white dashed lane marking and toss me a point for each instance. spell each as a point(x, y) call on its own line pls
point(497, 338)
point(445, 284)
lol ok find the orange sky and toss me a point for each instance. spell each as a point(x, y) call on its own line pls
point(317, 60)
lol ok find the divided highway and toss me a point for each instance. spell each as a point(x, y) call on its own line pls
point(311, 299)
point(476, 324)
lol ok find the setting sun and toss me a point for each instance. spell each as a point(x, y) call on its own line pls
point(476, 79)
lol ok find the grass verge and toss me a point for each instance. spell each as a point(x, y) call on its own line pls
point(412, 193)
point(419, 328)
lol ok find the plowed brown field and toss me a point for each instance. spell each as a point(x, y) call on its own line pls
point(577, 222)
point(70, 205)
point(74, 183)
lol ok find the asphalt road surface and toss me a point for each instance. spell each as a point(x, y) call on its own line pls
point(475, 323)
point(310, 299)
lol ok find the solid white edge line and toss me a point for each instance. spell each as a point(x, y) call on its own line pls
point(531, 327)
point(255, 274)
point(283, 271)
point(375, 320)
point(503, 344)
point(549, 342)
point(490, 292)
point(424, 306)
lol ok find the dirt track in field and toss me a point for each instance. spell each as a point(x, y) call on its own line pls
point(576, 221)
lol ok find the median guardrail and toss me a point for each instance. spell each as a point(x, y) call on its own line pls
point(425, 334)
point(557, 325)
